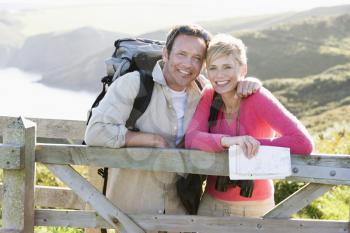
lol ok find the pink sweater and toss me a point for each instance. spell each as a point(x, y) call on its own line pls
point(261, 116)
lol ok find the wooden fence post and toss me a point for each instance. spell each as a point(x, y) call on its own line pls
point(18, 199)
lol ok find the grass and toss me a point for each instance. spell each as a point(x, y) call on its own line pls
point(57, 230)
point(334, 204)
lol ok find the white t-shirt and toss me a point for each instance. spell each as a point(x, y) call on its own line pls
point(179, 102)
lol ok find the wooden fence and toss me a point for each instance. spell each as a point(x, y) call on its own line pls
point(20, 151)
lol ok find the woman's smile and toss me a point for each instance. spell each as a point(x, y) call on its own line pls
point(222, 83)
point(224, 73)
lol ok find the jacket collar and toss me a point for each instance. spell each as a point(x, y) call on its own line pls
point(157, 73)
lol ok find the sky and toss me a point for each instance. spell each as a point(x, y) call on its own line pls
point(139, 16)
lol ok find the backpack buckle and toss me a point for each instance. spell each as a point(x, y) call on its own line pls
point(101, 172)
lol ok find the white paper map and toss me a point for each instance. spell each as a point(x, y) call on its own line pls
point(269, 163)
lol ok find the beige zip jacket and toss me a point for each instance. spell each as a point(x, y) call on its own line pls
point(136, 191)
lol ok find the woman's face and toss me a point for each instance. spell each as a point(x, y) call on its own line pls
point(224, 73)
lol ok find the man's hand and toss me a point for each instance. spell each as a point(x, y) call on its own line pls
point(248, 86)
point(159, 141)
point(144, 140)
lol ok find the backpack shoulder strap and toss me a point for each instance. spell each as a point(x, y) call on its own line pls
point(107, 80)
point(142, 100)
point(215, 106)
point(198, 84)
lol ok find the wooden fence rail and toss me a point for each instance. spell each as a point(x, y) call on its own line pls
point(19, 151)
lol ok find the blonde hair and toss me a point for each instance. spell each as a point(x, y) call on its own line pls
point(224, 45)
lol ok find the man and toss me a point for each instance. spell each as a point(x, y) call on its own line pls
point(174, 100)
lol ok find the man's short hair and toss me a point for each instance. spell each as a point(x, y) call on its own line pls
point(186, 29)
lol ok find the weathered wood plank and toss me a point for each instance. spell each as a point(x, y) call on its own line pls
point(18, 196)
point(326, 160)
point(10, 157)
point(172, 160)
point(298, 200)
point(320, 168)
point(57, 197)
point(67, 218)
point(319, 180)
point(52, 128)
point(188, 223)
point(91, 195)
point(9, 231)
point(97, 181)
point(325, 170)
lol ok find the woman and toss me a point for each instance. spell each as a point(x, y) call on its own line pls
point(223, 119)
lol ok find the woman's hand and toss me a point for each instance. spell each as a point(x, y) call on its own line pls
point(248, 86)
point(249, 145)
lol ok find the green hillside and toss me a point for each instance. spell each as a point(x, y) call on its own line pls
point(314, 94)
point(333, 118)
point(299, 49)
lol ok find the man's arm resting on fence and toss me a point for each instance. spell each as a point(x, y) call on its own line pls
point(144, 140)
point(107, 124)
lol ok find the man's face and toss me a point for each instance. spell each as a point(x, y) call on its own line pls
point(184, 63)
